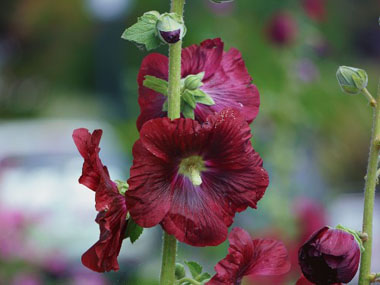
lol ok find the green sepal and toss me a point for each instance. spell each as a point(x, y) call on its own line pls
point(354, 233)
point(187, 111)
point(157, 84)
point(195, 268)
point(144, 33)
point(188, 97)
point(203, 98)
point(194, 81)
point(122, 186)
point(133, 231)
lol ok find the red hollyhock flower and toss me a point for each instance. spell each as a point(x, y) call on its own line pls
point(226, 81)
point(315, 9)
point(281, 29)
point(192, 178)
point(110, 204)
point(258, 257)
point(329, 256)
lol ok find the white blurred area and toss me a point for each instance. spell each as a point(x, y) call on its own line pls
point(347, 210)
point(39, 171)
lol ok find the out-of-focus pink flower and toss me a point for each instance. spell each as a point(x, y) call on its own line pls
point(281, 29)
point(26, 279)
point(315, 9)
point(88, 278)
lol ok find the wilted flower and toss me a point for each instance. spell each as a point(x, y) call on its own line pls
point(225, 79)
point(192, 178)
point(329, 256)
point(247, 256)
point(110, 204)
point(282, 28)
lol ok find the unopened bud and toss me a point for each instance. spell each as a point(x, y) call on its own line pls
point(170, 28)
point(194, 81)
point(352, 80)
point(179, 271)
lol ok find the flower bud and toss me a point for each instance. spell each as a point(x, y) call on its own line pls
point(170, 28)
point(329, 256)
point(179, 271)
point(352, 80)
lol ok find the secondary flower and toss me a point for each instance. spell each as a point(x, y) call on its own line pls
point(225, 80)
point(192, 178)
point(315, 9)
point(281, 29)
point(110, 204)
point(247, 256)
point(329, 256)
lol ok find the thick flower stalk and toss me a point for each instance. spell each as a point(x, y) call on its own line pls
point(250, 257)
point(192, 178)
point(110, 204)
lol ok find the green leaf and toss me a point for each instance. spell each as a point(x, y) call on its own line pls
point(143, 33)
point(157, 84)
point(202, 277)
point(133, 231)
point(165, 106)
point(195, 268)
point(188, 97)
point(194, 81)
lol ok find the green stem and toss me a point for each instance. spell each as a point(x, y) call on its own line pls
point(369, 196)
point(169, 250)
point(174, 88)
point(191, 281)
point(369, 97)
point(168, 259)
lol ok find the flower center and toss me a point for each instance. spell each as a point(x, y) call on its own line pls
point(191, 167)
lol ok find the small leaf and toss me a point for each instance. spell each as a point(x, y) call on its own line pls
point(194, 81)
point(133, 231)
point(157, 84)
point(195, 268)
point(144, 31)
point(165, 106)
point(188, 97)
point(122, 186)
point(202, 277)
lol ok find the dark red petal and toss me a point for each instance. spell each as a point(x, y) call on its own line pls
point(231, 86)
point(204, 58)
point(151, 102)
point(94, 175)
point(259, 257)
point(336, 242)
point(102, 256)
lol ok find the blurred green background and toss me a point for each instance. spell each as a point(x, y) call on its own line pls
point(65, 60)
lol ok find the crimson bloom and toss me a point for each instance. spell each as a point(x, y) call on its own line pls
point(110, 204)
point(192, 178)
point(329, 256)
point(225, 80)
point(257, 257)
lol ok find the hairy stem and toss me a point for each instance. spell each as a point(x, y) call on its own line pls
point(174, 110)
point(369, 195)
